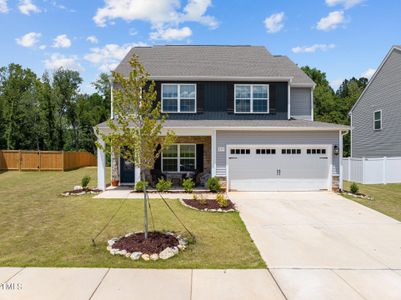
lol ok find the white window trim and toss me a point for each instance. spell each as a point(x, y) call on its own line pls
point(178, 159)
point(381, 120)
point(251, 99)
point(179, 98)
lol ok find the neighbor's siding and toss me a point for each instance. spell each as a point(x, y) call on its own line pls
point(224, 138)
point(301, 103)
point(383, 93)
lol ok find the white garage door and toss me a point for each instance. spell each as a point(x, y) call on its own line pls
point(279, 168)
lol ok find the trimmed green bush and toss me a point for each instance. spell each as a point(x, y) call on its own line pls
point(140, 185)
point(213, 184)
point(85, 181)
point(354, 188)
point(163, 185)
point(188, 185)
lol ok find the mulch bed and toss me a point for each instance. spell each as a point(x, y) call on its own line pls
point(79, 192)
point(358, 195)
point(155, 243)
point(210, 205)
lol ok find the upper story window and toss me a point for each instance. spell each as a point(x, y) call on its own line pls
point(251, 98)
point(178, 98)
point(377, 120)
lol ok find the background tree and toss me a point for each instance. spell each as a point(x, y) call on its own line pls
point(134, 133)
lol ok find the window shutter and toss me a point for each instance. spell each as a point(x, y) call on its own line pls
point(199, 157)
point(158, 162)
point(230, 97)
point(200, 96)
point(158, 89)
point(272, 98)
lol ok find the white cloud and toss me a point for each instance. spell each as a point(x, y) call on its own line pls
point(57, 61)
point(313, 48)
point(27, 7)
point(345, 3)
point(170, 34)
point(3, 6)
point(61, 41)
point(42, 47)
point(92, 39)
point(29, 40)
point(165, 12)
point(108, 57)
point(274, 23)
point(332, 21)
point(368, 73)
point(335, 84)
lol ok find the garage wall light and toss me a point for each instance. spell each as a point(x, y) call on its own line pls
point(336, 151)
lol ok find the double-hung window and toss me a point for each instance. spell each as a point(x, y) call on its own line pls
point(179, 158)
point(178, 98)
point(251, 98)
point(377, 120)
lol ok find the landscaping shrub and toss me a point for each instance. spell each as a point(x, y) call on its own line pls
point(140, 185)
point(222, 200)
point(354, 188)
point(213, 184)
point(85, 181)
point(188, 185)
point(163, 185)
point(202, 199)
point(194, 197)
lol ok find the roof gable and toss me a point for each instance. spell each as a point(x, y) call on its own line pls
point(208, 62)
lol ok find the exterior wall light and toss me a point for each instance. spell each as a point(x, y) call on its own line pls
point(336, 151)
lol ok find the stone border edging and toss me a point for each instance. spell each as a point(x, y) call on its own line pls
point(164, 254)
point(207, 209)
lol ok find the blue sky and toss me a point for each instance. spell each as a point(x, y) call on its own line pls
point(344, 38)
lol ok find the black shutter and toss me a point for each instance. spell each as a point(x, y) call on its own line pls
point(230, 97)
point(158, 161)
point(272, 98)
point(199, 157)
point(200, 97)
point(158, 89)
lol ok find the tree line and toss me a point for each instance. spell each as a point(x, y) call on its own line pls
point(51, 113)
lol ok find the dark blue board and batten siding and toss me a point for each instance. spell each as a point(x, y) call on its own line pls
point(215, 100)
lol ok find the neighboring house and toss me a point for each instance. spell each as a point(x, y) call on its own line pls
point(241, 114)
point(376, 116)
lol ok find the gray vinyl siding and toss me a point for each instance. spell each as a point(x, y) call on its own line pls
point(224, 138)
point(301, 103)
point(383, 93)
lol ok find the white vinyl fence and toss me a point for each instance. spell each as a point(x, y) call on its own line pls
point(372, 170)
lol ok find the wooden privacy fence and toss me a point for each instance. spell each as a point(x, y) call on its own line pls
point(45, 160)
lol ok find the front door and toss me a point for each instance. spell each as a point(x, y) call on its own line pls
point(127, 172)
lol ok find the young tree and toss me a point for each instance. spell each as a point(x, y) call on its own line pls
point(134, 132)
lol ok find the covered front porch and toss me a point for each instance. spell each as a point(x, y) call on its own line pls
point(193, 154)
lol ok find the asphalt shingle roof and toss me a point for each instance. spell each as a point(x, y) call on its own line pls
point(214, 61)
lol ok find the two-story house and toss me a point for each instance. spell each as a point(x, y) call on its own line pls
point(241, 114)
point(376, 116)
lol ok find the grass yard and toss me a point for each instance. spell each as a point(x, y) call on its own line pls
point(386, 198)
point(40, 228)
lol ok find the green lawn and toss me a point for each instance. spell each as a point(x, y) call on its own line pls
point(40, 228)
point(386, 198)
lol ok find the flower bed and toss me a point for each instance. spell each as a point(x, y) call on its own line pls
point(158, 245)
point(358, 195)
point(208, 205)
point(79, 192)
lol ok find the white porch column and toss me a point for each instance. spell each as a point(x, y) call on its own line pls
point(213, 152)
point(340, 157)
point(137, 174)
point(101, 167)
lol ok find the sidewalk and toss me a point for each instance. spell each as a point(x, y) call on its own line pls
point(86, 283)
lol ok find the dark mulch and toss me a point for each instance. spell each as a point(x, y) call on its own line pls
point(155, 243)
point(210, 204)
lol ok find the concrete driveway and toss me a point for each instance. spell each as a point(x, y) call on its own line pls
point(320, 245)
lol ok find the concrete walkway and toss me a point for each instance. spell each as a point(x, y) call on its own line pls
point(322, 246)
point(99, 284)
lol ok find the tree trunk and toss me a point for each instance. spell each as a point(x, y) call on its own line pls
point(145, 204)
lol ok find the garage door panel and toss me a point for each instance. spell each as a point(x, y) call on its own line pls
point(298, 170)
